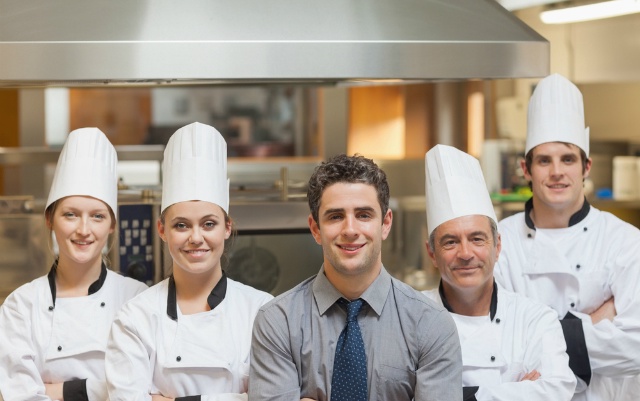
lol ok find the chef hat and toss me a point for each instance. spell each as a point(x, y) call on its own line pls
point(195, 167)
point(87, 166)
point(455, 187)
point(556, 114)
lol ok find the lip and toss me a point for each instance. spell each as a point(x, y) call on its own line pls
point(557, 187)
point(350, 248)
point(196, 253)
point(466, 269)
point(81, 243)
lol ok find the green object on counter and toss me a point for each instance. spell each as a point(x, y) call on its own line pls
point(511, 197)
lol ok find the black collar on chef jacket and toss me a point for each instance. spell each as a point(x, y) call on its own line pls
point(492, 308)
point(93, 288)
point(214, 299)
point(575, 218)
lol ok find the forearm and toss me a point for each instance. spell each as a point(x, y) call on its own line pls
point(539, 390)
point(613, 351)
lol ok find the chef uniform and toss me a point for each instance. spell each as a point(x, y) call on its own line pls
point(576, 269)
point(154, 348)
point(518, 335)
point(51, 340)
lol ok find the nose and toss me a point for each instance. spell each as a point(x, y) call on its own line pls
point(349, 228)
point(196, 236)
point(83, 227)
point(464, 251)
point(556, 168)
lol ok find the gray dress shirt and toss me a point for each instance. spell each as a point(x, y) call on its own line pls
point(411, 344)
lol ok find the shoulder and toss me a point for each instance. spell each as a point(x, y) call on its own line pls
point(407, 295)
point(613, 223)
point(29, 294)
point(294, 299)
point(149, 302)
point(126, 286)
point(530, 310)
point(512, 223)
point(433, 295)
point(248, 293)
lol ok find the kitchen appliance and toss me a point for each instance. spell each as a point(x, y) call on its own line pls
point(70, 43)
point(24, 244)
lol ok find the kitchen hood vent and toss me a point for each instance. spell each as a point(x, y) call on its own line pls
point(165, 42)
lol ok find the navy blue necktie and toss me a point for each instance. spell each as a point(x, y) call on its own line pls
point(349, 380)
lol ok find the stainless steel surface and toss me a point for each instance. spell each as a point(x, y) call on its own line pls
point(163, 42)
point(25, 250)
point(41, 155)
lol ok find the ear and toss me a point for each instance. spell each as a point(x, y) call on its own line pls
point(315, 230)
point(587, 168)
point(227, 229)
point(431, 253)
point(523, 166)
point(498, 247)
point(160, 228)
point(386, 224)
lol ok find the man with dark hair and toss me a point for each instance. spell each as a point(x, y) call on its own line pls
point(580, 261)
point(352, 332)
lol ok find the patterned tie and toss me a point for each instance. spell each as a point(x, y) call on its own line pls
point(349, 380)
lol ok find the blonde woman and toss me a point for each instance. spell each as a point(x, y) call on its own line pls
point(54, 330)
point(189, 336)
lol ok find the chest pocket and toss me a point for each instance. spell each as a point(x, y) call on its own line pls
point(78, 328)
point(394, 383)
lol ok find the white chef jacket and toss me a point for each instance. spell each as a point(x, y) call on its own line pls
point(522, 336)
point(576, 269)
point(47, 340)
point(204, 354)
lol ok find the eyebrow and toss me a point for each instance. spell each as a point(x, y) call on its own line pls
point(341, 210)
point(207, 217)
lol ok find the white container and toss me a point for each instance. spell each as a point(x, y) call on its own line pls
point(626, 179)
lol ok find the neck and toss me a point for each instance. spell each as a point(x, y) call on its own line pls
point(544, 216)
point(351, 286)
point(73, 279)
point(192, 290)
point(469, 302)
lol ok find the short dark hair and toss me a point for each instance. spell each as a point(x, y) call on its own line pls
point(528, 159)
point(349, 169)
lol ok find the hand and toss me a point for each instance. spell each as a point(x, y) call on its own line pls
point(606, 311)
point(533, 376)
point(158, 397)
point(54, 391)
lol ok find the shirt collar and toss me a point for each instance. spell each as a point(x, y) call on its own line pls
point(326, 294)
point(575, 218)
point(492, 308)
point(214, 299)
point(93, 288)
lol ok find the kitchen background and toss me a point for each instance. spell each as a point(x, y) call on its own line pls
point(277, 133)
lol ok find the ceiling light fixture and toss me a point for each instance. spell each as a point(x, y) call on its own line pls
point(605, 9)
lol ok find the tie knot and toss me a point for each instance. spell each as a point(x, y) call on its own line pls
point(353, 308)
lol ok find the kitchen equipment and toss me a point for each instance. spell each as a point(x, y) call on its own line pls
point(626, 178)
point(335, 41)
point(24, 243)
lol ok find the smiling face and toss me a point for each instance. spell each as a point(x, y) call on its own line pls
point(82, 225)
point(465, 253)
point(557, 175)
point(195, 232)
point(351, 230)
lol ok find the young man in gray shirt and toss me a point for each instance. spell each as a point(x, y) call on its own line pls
point(406, 347)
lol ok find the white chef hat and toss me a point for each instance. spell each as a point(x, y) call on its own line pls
point(87, 166)
point(195, 167)
point(455, 187)
point(556, 114)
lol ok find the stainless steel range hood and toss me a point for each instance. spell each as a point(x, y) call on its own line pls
point(156, 42)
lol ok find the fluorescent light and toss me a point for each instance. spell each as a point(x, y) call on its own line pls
point(605, 9)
